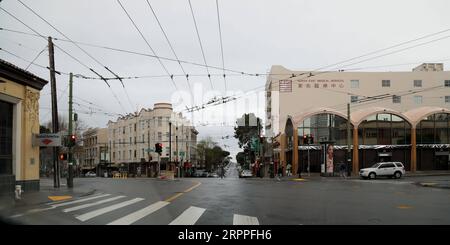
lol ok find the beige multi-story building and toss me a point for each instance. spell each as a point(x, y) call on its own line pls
point(132, 140)
point(95, 145)
point(398, 116)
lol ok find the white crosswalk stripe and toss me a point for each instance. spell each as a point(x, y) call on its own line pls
point(189, 216)
point(78, 201)
point(91, 204)
point(133, 217)
point(95, 213)
point(244, 220)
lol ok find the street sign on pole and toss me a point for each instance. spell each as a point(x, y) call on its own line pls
point(47, 140)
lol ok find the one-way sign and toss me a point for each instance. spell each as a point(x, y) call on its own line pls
point(47, 140)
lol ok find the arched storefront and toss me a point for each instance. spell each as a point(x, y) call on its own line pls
point(322, 127)
point(419, 138)
point(433, 139)
point(382, 137)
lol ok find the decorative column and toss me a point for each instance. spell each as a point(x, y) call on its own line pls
point(295, 163)
point(413, 150)
point(355, 151)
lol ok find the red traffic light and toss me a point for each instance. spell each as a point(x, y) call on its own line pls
point(63, 156)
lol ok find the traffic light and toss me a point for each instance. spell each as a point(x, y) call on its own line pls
point(63, 156)
point(305, 139)
point(311, 139)
point(158, 148)
point(72, 140)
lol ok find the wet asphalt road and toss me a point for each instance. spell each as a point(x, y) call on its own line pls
point(206, 201)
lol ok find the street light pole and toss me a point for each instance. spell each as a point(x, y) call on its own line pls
point(348, 136)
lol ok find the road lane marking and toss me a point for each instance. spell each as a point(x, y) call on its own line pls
point(189, 216)
point(133, 217)
point(170, 199)
point(193, 187)
point(91, 204)
point(101, 211)
point(78, 201)
point(244, 220)
point(59, 198)
point(173, 197)
point(404, 207)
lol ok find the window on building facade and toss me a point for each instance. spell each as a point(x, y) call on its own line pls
point(324, 127)
point(396, 99)
point(159, 136)
point(447, 99)
point(417, 99)
point(130, 140)
point(417, 83)
point(353, 99)
point(129, 156)
point(434, 129)
point(384, 129)
point(354, 83)
point(135, 127)
point(120, 157)
point(135, 154)
point(123, 131)
point(159, 121)
point(114, 155)
point(143, 153)
point(447, 83)
point(385, 83)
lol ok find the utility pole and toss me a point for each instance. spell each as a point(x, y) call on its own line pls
point(170, 141)
point(55, 123)
point(176, 146)
point(70, 155)
point(348, 137)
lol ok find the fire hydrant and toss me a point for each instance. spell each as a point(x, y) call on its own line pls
point(18, 192)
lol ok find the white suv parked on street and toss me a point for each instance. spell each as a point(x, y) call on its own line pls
point(390, 169)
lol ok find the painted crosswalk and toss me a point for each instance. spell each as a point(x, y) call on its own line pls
point(133, 217)
point(122, 210)
point(104, 210)
point(189, 216)
point(92, 204)
point(244, 220)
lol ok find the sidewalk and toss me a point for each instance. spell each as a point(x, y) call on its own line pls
point(317, 176)
point(47, 190)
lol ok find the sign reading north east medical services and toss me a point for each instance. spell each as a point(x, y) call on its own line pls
point(46, 140)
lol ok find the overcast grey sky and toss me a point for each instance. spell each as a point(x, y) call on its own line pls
point(256, 35)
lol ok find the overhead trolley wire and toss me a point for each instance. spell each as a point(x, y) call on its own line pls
point(170, 45)
point(221, 45)
point(200, 42)
point(148, 44)
point(83, 50)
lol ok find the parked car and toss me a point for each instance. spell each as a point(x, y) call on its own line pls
point(245, 174)
point(389, 169)
point(90, 174)
point(200, 173)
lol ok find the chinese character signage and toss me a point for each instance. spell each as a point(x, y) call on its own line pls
point(285, 86)
point(319, 83)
